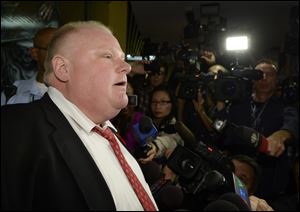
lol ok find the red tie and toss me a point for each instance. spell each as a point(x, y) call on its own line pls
point(134, 181)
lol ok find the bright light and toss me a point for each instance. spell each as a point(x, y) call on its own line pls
point(237, 43)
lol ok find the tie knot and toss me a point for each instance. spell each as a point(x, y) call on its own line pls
point(106, 133)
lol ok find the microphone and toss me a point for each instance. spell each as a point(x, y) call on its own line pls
point(246, 134)
point(236, 200)
point(152, 172)
point(144, 131)
point(220, 205)
point(186, 134)
point(212, 181)
point(169, 197)
point(254, 138)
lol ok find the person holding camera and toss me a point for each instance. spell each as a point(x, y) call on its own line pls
point(267, 114)
point(196, 111)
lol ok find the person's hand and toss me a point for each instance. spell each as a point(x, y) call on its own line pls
point(150, 154)
point(209, 57)
point(258, 204)
point(276, 142)
point(198, 105)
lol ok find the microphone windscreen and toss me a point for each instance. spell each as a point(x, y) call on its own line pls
point(145, 124)
point(220, 205)
point(186, 134)
point(151, 171)
point(170, 197)
point(236, 200)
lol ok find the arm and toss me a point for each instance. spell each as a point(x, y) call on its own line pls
point(161, 144)
point(288, 132)
point(199, 107)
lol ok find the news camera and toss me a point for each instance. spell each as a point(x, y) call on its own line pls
point(204, 173)
point(232, 86)
point(201, 170)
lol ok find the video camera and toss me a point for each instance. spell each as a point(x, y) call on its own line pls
point(202, 169)
point(232, 86)
point(204, 172)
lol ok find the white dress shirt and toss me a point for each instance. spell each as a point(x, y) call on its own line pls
point(99, 148)
point(27, 91)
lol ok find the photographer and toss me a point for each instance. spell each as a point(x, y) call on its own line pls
point(207, 105)
point(193, 105)
point(267, 114)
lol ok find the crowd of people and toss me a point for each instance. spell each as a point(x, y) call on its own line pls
point(52, 156)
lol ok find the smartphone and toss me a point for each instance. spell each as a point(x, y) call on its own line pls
point(132, 100)
point(241, 190)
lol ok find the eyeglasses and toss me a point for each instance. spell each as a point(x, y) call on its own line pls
point(161, 103)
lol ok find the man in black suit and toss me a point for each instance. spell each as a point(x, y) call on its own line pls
point(51, 158)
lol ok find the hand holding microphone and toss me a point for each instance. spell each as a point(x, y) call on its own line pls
point(276, 142)
point(151, 152)
point(145, 132)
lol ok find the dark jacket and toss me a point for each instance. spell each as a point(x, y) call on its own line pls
point(44, 164)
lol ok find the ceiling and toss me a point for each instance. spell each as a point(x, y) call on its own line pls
point(265, 22)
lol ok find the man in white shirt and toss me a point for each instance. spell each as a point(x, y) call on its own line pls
point(51, 158)
point(33, 88)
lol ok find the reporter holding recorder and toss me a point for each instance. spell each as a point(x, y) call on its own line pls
point(58, 153)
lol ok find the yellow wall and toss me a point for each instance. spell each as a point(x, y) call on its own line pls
point(71, 10)
point(111, 13)
point(118, 20)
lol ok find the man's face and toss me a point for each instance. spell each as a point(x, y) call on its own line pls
point(245, 174)
point(268, 83)
point(97, 79)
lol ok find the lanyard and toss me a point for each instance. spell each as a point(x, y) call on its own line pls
point(256, 119)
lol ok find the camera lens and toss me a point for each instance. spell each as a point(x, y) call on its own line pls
point(187, 165)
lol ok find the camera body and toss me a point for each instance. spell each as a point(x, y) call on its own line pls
point(203, 170)
point(223, 86)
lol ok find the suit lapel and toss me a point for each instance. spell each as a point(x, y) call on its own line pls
point(78, 159)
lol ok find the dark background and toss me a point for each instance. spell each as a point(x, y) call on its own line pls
point(265, 22)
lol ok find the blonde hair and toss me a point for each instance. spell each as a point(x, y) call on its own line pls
point(60, 36)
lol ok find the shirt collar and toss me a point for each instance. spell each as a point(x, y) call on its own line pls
point(73, 111)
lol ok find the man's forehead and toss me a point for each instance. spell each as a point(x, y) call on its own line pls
point(266, 67)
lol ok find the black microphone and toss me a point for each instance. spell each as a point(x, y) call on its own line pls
point(254, 74)
point(250, 136)
point(220, 205)
point(169, 197)
point(212, 181)
point(186, 134)
point(236, 200)
point(152, 172)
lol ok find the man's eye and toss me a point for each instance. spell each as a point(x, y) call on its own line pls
point(108, 56)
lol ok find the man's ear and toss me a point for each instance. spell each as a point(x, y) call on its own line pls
point(60, 68)
point(34, 53)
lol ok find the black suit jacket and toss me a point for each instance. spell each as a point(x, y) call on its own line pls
point(44, 164)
